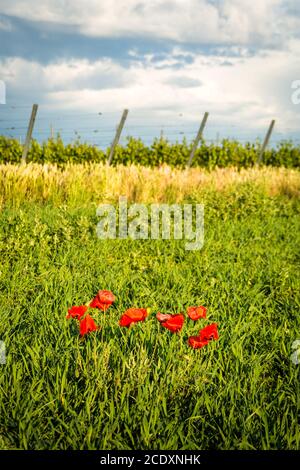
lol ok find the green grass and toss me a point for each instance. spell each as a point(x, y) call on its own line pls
point(144, 387)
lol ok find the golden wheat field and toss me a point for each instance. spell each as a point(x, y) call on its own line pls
point(93, 182)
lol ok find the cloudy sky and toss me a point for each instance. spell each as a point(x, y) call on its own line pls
point(165, 60)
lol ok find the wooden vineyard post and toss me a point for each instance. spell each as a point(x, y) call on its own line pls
point(266, 141)
point(198, 137)
point(29, 132)
point(117, 136)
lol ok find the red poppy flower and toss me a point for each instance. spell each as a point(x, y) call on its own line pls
point(163, 316)
point(196, 312)
point(77, 312)
point(133, 315)
point(103, 300)
point(174, 323)
point(87, 324)
point(209, 332)
point(196, 343)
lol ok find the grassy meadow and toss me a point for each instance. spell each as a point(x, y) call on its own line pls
point(145, 388)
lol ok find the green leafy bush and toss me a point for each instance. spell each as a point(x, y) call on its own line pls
point(161, 151)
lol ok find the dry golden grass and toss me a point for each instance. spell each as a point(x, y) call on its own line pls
point(96, 182)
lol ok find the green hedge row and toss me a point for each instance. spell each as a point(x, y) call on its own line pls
point(227, 153)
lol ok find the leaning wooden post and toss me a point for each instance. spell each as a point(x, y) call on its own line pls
point(117, 136)
point(51, 132)
point(29, 132)
point(199, 136)
point(266, 141)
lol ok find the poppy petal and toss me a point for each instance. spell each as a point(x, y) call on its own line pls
point(195, 342)
point(196, 312)
point(209, 332)
point(125, 321)
point(103, 300)
point(136, 314)
point(96, 303)
point(77, 311)
point(87, 324)
point(163, 316)
point(175, 323)
point(133, 315)
point(106, 296)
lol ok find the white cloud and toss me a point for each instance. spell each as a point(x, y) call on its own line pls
point(29, 77)
point(246, 22)
point(249, 93)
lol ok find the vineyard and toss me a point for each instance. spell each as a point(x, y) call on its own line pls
point(208, 155)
